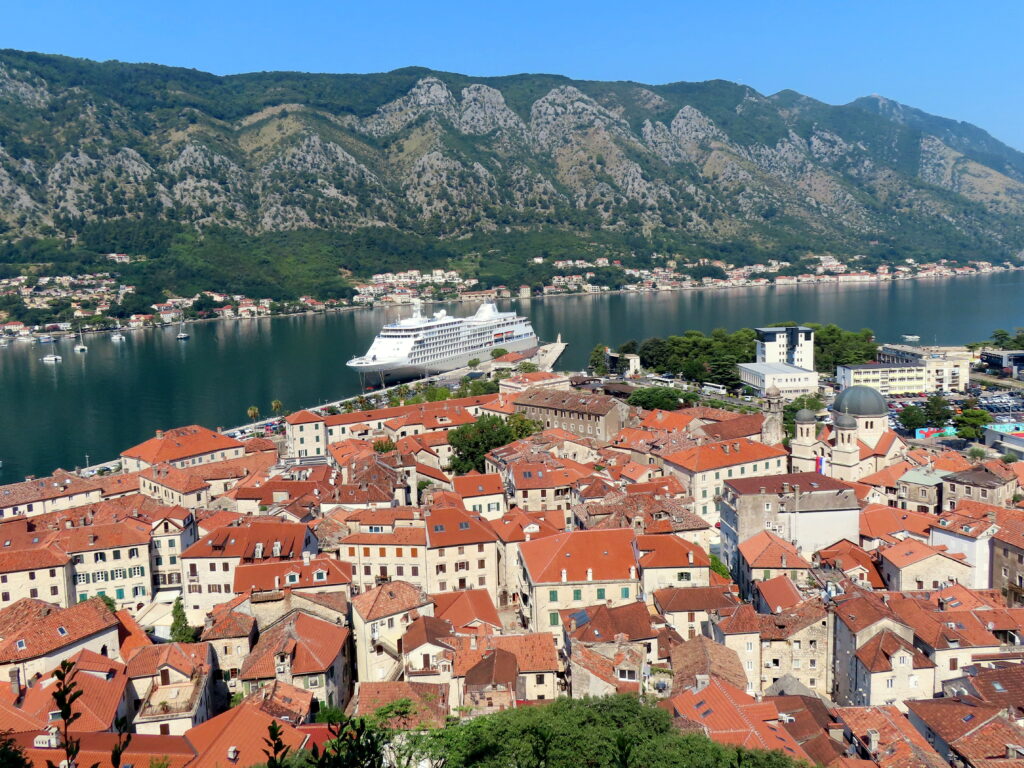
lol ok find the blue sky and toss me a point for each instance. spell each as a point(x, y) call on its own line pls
point(956, 59)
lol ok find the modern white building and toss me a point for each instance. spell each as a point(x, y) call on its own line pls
point(793, 345)
point(785, 360)
point(790, 380)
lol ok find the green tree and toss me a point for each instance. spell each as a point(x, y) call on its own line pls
point(913, 417)
point(937, 410)
point(474, 363)
point(253, 412)
point(651, 398)
point(527, 367)
point(498, 352)
point(1008, 458)
point(181, 632)
point(472, 442)
point(598, 361)
point(109, 602)
point(384, 445)
point(970, 425)
point(12, 755)
point(976, 453)
point(719, 567)
point(276, 406)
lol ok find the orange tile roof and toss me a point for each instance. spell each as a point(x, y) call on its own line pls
point(130, 636)
point(888, 477)
point(59, 485)
point(230, 624)
point(666, 551)
point(901, 744)
point(187, 658)
point(667, 420)
point(312, 643)
point(177, 480)
point(91, 538)
point(730, 453)
point(389, 599)
point(446, 527)
point(534, 652)
point(730, 716)
point(240, 540)
point(466, 609)
point(607, 555)
point(779, 593)
point(181, 443)
point(767, 550)
point(845, 555)
point(701, 655)
point(877, 653)
point(429, 702)
point(37, 626)
point(476, 484)
point(243, 727)
point(909, 552)
point(878, 521)
point(144, 750)
point(262, 577)
point(686, 599)
point(515, 525)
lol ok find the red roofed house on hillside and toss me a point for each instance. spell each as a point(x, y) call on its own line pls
point(670, 561)
point(969, 732)
point(912, 564)
point(236, 737)
point(704, 469)
point(37, 496)
point(182, 447)
point(687, 609)
point(586, 415)
point(36, 636)
point(209, 564)
point(575, 569)
point(887, 739)
point(461, 552)
point(888, 670)
point(304, 651)
point(319, 573)
point(429, 710)
point(380, 617)
point(173, 684)
point(730, 716)
point(765, 556)
point(482, 494)
point(110, 559)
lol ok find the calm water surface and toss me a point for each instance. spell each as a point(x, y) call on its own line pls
point(115, 395)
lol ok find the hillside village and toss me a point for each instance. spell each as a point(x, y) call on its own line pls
point(864, 605)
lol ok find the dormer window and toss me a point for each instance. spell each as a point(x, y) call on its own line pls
point(320, 576)
point(292, 578)
point(438, 529)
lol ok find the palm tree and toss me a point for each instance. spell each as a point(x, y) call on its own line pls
point(276, 406)
point(253, 411)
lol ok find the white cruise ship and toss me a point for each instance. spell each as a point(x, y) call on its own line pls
point(419, 345)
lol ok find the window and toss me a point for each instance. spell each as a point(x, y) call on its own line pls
point(600, 593)
point(552, 595)
point(553, 619)
point(625, 593)
point(683, 576)
point(890, 682)
point(750, 646)
point(953, 663)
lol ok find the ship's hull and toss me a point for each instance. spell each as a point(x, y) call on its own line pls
point(375, 373)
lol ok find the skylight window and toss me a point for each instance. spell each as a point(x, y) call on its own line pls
point(438, 529)
point(62, 631)
point(998, 687)
point(463, 526)
point(20, 645)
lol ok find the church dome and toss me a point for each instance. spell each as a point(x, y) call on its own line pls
point(772, 391)
point(860, 401)
point(804, 416)
point(845, 421)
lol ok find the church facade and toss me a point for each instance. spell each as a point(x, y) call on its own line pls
point(858, 442)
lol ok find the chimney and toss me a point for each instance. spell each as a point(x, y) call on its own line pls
point(565, 575)
point(232, 753)
point(305, 558)
point(277, 582)
point(632, 572)
point(785, 487)
point(590, 574)
point(689, 557)
point(15, 677)
point(526, 536)
point(159, 434)
point(783, 559)
point(837, 733)
point(701, 682)
point(872, 741)
point(725, 448)
point(92, 538)
point(472, 642)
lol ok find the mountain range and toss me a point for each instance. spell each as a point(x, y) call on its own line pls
point(304, 180)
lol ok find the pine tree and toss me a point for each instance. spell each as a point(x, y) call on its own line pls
point(181, 632)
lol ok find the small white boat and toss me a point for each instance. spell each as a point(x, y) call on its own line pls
point(182, 336)
point(80, 346)
point(26, 339)
point(46, 339)
point(53, 359)
point(117, 336)
point(4, 342)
